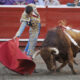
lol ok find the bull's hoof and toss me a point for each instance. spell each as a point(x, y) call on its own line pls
point(74, 73)
point(57, 70)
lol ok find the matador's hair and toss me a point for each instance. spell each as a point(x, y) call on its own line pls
point(28, 9)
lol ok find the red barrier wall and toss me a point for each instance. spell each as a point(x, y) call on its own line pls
point(71, 15)
point(10, 20)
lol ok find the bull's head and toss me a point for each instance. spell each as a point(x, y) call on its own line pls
point(48, 55)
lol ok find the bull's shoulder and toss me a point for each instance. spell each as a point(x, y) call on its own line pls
point(56, 29)
point(56, 32)
point(56, 37)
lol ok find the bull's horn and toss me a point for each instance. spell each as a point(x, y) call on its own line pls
point(35, 54)
point(54, 49)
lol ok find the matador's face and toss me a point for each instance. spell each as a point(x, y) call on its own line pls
point(31, 14)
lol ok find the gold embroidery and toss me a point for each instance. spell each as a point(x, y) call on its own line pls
point(34, 22)
point(25, 17)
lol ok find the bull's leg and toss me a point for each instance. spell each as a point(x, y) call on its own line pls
point(62, 65)
point(70, 58)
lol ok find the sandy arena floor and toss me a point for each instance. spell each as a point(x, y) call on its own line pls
point(43, 73)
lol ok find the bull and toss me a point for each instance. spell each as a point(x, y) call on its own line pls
point(57, 46)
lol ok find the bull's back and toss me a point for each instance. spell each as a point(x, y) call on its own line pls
point(56, 38)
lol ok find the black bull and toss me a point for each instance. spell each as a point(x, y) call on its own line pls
point(58, 47)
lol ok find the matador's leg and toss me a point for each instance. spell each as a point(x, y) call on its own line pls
point(32, 43)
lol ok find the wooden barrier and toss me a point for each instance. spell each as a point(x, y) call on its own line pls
point(10, 19)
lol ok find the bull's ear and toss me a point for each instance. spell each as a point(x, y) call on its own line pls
point(54, 51)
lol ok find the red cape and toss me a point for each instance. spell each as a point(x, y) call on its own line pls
point(13, 58)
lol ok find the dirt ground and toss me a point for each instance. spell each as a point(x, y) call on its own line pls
point(43, 73)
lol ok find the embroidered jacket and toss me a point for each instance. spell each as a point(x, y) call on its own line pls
point(33, 22)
